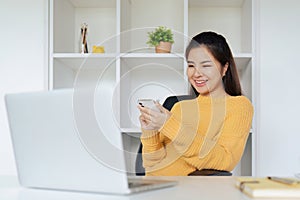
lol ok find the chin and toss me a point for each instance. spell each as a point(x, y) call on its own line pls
point(202, 92)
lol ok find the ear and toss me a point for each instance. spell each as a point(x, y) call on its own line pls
point(224, 69)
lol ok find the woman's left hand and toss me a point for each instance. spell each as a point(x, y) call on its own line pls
point(151, 119)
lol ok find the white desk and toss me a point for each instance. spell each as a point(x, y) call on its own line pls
point(200, 188)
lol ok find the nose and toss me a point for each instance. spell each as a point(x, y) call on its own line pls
point(197, 72)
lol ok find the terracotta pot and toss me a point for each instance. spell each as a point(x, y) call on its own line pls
point(163, 47)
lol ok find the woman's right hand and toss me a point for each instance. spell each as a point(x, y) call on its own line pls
point(151, 119)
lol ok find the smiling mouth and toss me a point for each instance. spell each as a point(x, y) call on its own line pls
point(200, 83)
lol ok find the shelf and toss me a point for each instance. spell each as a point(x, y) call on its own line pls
point(151, 55)
point(134, 55)
point(85, 55)
point(242, 60)
point(216, 3)
point(93, 61)
point(122, 55)
point(78, 61)
point(129, 68)
point(93, 3)
point(132, 132)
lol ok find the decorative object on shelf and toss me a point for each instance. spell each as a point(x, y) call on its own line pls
point(162, 39)
point(98, 49)
point(83, 41)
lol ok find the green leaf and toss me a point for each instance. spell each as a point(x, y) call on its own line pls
point(161, 33)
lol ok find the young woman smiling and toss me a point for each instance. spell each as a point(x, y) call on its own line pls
point(208, 132)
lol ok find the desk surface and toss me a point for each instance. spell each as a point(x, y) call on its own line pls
point(206, 188)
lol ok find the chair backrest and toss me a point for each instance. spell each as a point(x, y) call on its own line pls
point(168, 104)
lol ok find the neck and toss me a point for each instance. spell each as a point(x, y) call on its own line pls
point(216, 94)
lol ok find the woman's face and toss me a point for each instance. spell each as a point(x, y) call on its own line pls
point(205, 72)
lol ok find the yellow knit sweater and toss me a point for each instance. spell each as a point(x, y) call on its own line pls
point(203, 133)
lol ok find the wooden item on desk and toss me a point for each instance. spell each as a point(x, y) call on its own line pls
point(269, 187)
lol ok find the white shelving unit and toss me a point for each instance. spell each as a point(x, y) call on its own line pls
point(129, 69)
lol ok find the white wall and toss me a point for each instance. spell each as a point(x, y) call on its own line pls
point(279, 122)
point(22, 59)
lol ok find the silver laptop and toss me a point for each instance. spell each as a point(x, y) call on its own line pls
point(63, 140)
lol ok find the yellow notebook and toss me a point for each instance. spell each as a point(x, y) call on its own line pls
point(269, 187)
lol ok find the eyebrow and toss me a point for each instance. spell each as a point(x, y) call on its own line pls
point(203, 62)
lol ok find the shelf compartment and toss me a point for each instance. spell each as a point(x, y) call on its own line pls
point(172, 61)
point(138, 17)
point(69, 15)
point(155, 78)
point(244, 66)
point(232, 19)
point(68, 68)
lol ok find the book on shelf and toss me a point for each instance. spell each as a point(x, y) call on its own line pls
point(269, 187)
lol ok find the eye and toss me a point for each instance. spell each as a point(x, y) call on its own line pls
point(206, 65)
point(190, 65)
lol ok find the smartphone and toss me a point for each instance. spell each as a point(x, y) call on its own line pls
point(149, 103)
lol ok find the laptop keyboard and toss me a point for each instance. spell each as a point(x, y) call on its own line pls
point(137, 184)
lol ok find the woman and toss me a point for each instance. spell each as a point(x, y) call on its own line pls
point(208, 132)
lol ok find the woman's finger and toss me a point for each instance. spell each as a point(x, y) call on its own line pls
point(143, 109)
point(147, 111)
point(160, 107)
point(143, 121)
point(146, 116)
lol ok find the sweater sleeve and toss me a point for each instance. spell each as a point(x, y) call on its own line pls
point(154, 142)
point(153, 147)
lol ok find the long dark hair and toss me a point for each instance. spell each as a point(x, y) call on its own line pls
point(218, 47)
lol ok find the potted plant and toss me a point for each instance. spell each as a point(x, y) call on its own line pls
point(162, 39)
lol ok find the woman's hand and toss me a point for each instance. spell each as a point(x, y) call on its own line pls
point(151, 119)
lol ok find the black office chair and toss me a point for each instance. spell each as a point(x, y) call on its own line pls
point(168, 104)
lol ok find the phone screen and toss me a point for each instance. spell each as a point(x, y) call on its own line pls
point(149, 103)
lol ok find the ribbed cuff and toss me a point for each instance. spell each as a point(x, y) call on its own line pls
point(150, 137)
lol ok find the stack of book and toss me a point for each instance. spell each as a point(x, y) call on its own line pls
point(270, 187)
